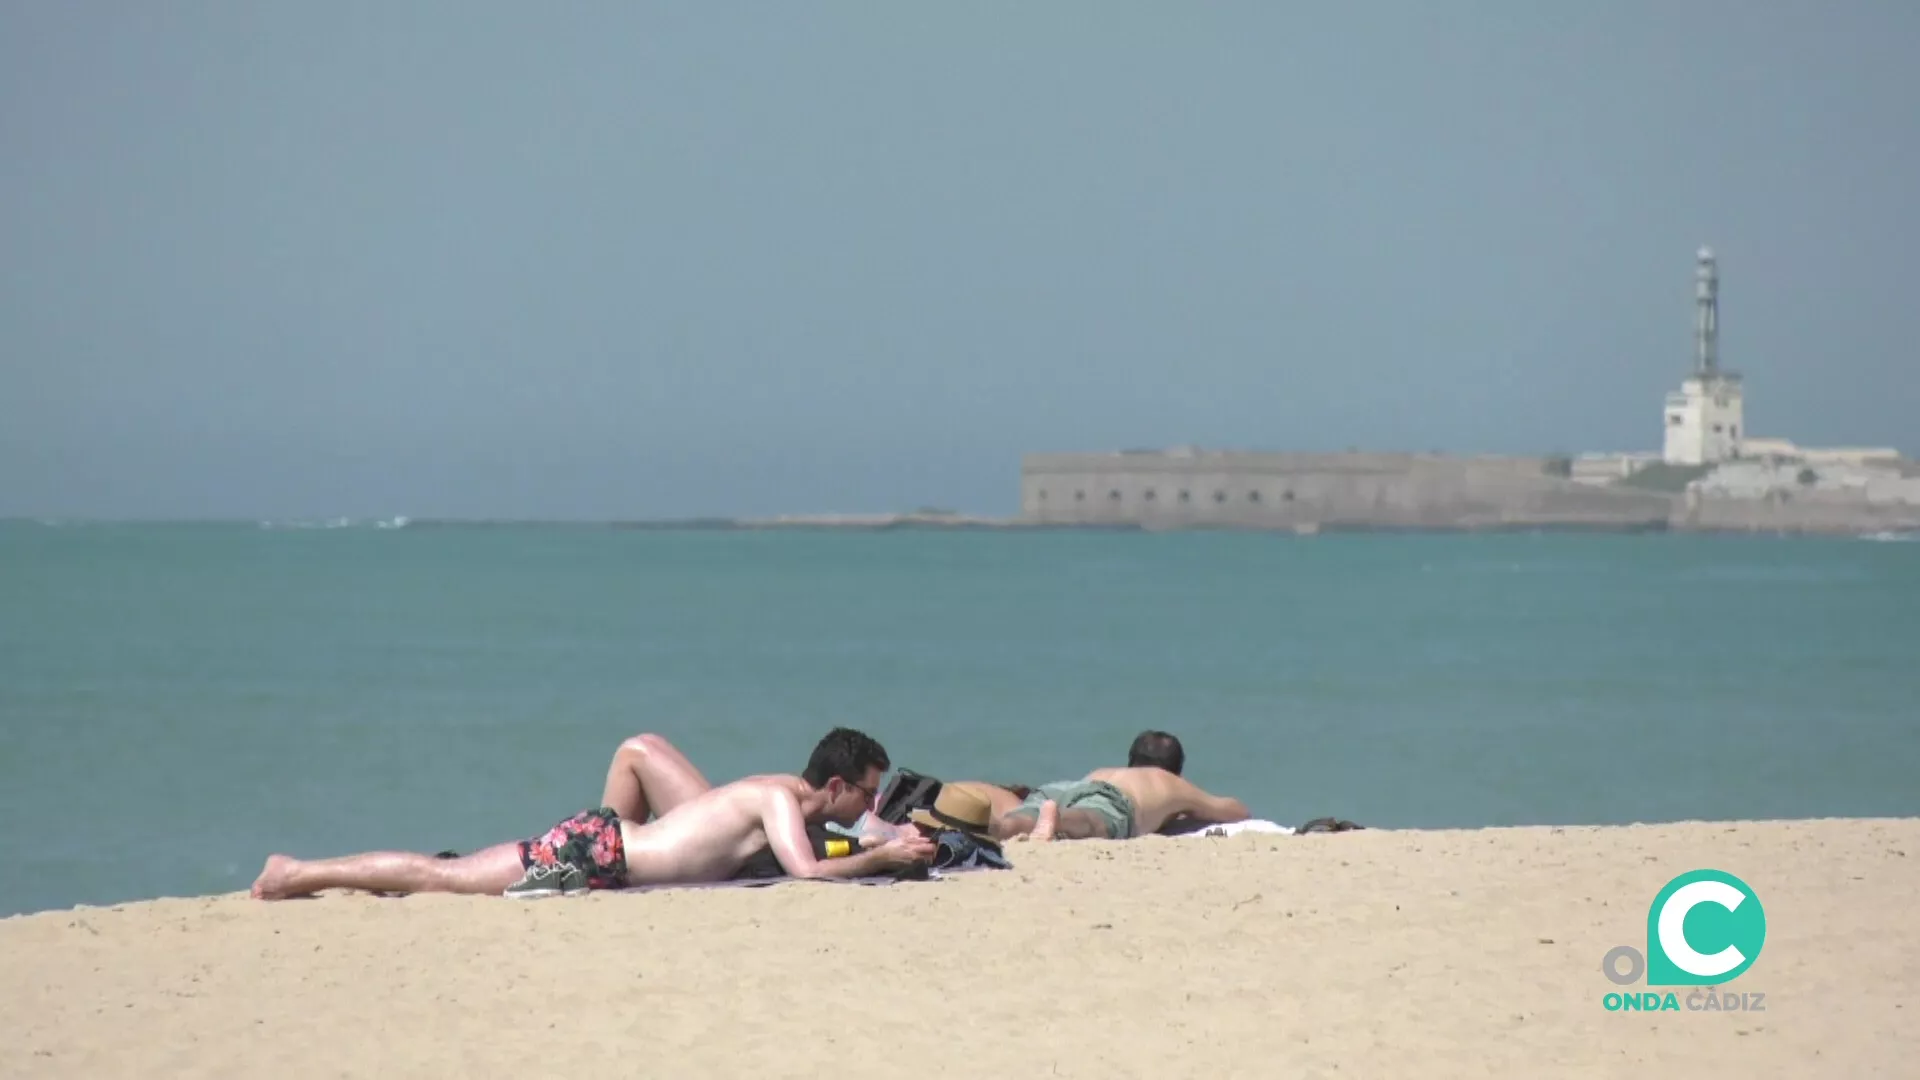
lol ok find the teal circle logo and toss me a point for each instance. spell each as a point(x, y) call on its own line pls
point(1705, 927)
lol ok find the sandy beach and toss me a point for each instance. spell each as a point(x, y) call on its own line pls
point(1358, 954)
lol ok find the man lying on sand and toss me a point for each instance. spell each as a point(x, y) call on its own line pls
point(706, 837)
point(1118, 804)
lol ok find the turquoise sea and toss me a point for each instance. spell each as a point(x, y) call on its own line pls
point(179, 701)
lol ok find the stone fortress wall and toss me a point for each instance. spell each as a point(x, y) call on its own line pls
point(1179, 489)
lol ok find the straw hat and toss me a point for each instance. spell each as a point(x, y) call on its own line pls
point(956, 808)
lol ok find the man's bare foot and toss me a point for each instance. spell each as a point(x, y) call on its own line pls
point(274, 878)
point(1048, 820)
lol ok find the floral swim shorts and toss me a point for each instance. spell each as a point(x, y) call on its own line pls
point(589, 840)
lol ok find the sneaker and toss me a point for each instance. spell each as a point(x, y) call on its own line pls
point(543, 881)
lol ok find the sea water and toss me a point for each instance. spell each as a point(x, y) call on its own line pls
point(179, 701)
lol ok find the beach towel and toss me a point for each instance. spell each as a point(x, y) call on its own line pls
point(1235, 828)
point(762, 882)
point(1258, 825)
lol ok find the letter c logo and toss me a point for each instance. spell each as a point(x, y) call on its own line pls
point(1673, 935)
point(1739, 928)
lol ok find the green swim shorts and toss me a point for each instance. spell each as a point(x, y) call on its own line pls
point(1103, 800)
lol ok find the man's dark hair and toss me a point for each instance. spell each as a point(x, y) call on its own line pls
point(1153, 749)
point(847, 754)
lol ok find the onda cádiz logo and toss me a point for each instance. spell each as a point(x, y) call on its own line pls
point(1704, 930)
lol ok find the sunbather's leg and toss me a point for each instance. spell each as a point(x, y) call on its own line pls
point(649, 775)
point(1078, 825)
point(487, 871)
point(1047, 825)
point(1025, 824)
point(1012, 825)
point(1090, 812)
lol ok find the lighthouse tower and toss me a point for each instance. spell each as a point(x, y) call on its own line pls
point(1705, 416)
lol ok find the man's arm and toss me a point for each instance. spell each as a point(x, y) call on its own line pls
point(787, 836)
point(1198, 803)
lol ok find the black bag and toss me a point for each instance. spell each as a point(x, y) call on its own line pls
point(826, 845)
point(953, 849)
point(906, 792)
point(1326, 824)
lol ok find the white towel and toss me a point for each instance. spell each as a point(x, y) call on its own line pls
point(1249, 825)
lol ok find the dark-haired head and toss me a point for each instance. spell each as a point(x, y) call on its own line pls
point(856, 761)
point(1156, 749)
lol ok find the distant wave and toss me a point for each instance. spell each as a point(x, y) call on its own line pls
point(1889, 536)
point(338, 523)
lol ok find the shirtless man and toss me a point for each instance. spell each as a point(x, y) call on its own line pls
point(705, 838)
point(1113, 804)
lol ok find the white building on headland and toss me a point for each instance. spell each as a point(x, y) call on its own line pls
point(1705, 416)
point(1705, 422)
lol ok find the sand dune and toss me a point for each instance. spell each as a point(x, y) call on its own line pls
point(1377, 954)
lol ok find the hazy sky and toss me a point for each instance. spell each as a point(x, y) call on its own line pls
point(621, 259)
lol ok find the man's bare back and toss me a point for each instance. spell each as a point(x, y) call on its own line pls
point(1113, 804)
point(1158, 795)
point(712, 835)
